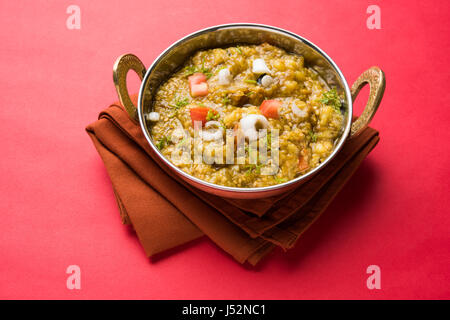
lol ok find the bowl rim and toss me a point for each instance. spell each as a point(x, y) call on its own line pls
point(270, 28)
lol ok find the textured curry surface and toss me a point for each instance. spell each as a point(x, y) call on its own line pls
point(241, 90)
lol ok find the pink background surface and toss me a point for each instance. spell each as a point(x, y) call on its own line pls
point(58, 207)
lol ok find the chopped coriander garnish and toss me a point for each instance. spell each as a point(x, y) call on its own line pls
point(269, 140)
point(253, 168)
point(179, 103)
point(280, 180)
point(331, 98)
point(206, 71)
point(208, 74)
point(239, 49)
point(251, 81)
point(190, 70)
point(313, 136)
point(212, 116)
point(226, 100)
point(162, 143)
point(174, 113)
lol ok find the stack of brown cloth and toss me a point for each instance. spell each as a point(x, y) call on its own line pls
point(166, 212)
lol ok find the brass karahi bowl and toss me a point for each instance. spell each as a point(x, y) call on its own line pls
point(244, 33)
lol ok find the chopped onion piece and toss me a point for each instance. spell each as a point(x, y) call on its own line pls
point(259, 66)
point(177, 134)
point(297, 111)
point(215, 134)
point(266, 81)
point(153, 116)
point(224, 77)
point(250, 125)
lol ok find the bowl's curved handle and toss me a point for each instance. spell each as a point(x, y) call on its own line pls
point(377, 82)
point(122, 65)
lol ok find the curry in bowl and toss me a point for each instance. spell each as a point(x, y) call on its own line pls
point(239, 107)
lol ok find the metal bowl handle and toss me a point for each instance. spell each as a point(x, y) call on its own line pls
point(377, 82)
point(122, 65)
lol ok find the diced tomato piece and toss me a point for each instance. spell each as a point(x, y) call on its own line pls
point(199, 90)
point(197, 78)
point(269, 108)
point(302, 163)
point(198, 85)
point(200, 114)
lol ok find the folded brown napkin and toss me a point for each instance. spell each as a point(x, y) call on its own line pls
point(166, 212)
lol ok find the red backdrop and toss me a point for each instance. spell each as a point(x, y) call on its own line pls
point(58, 207)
